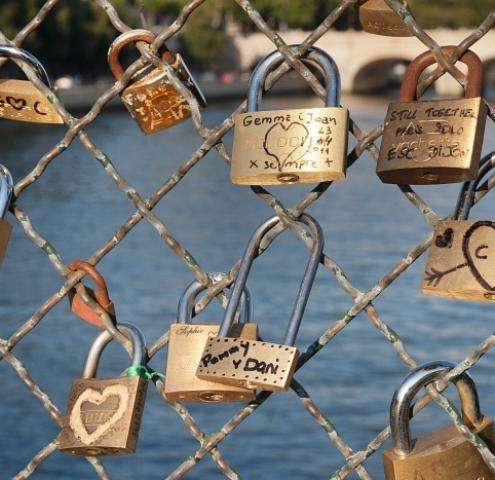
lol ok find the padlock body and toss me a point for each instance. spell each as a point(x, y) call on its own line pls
point(432, 142)
point(251, 364)
point(378, 18)
point(21, 100)
point(82, 310)
point(5, 231)
point(442, 455)
point(461, 262)
point(185, 346)
point(277, 147)
point(103, 416)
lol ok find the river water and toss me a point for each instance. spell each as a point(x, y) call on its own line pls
point(368, 227)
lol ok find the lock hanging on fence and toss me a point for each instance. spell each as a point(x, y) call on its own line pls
point(275, 147)
point(378, 18)
point(461, 262)
point(151, 98)
point(259, 364)
point(434, 141)
point(20, 99)
point(186, 344)
point(100, 296)
point(6, 191)
point(444, 454)
point(104, 415)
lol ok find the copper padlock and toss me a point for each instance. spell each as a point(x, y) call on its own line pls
point(104, 415)
point(444, 454)
point(6, 190)
point(20, 99)
point(434, 141)
point(185, 346)
point(461, 261)
point(100, 296)
point(308, 145)
point(151, 98)
point(260, 364)
point(378, 18)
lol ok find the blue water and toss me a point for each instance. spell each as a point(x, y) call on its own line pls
point(368, 227)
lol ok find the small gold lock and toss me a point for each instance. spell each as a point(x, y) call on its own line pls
point(151, 98)
point(20, 99)
point(104, 416)
point(435, 141)
point(6, 190)
point(444, 454)
point(378, 18)
point(260, 364)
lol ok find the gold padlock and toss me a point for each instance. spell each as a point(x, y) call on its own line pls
point(445, 454)
point(185, 346)
point(378, 18)
point(461, 261)
point(104, 415)
point(260, 364)
point(20, 99)
point(151, 98)
point(6, 190)
point(275, 147)
point(434, 141)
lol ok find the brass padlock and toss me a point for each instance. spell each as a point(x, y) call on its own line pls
point(377, 17)
point(20, 99)
point(6, 190)
point(260, 364)
point(104, 415)
point(185, 346)
point(151, 99)
point(434, 141)
point(308, 145)
point(444, 454)
point(100, 296)
point(461, 261)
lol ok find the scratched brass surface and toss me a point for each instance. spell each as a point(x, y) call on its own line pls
point(378, 18)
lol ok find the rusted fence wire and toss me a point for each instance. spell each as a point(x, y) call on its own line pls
point(353, 461)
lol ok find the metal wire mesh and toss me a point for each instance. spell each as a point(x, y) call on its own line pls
point(212, 139)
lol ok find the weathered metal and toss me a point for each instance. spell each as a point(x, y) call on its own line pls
point(378, 18)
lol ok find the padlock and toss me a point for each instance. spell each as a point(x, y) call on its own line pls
point(6, 190)
point(444, 454)
point(100, 296)
point(461, 261)
point(185, 346)
point(20, 99)
point(260, 364)
point(308, 145)
point(151, 98)
point(434, 141)
point(104, 415)
point(377, 17)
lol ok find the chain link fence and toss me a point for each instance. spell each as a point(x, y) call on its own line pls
point(353, 461)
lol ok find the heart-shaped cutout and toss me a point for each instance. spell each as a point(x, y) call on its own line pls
point(445, 239)
point(16, 103)
point(78, 423)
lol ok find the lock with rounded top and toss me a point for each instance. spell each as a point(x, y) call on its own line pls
point(260, 364)
point(378, 18)
point(444, 454)
point(20, 99)
point(104, 415)
point(100, 296)
point(185, 346)
point(6, 191)
point(275, 147)
point(434, 141)
point(461, 261)
point(151, 98)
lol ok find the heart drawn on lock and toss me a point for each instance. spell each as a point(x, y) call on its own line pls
point(16, 103)
point(477, 246)
point(77, 422)
point(293, 146)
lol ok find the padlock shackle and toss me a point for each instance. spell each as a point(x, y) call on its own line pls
point(9, 51)
point(132, 36)
point(474, 87)
point(6, 190)
point(274, 59)
point(187, 300)
point(304, 289)
point(104, 338)
point(401, 406)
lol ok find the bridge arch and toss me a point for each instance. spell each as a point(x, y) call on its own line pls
point(379, 75)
